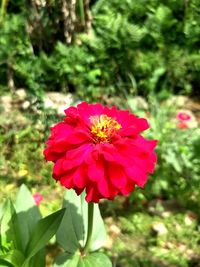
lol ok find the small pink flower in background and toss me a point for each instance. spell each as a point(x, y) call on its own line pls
point(182, 125)
point(38, 198)
point(183, 116)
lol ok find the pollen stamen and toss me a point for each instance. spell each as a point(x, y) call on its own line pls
point(103, 128)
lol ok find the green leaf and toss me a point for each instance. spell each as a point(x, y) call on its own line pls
point(28, 214)
point(96, 259)
point(14, 257)
point(67, 260)
point(1, 211)
point(5, 263)
point(76, 260)
point(38, 259)
point(72, 232)
point(10, 231)
point(44, 230)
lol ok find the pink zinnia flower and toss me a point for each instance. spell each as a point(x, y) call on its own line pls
point(183, 116)
point(100, 149)
point(182, 125)
point(38, 198)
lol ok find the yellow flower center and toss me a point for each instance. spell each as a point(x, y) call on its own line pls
point(103, 128)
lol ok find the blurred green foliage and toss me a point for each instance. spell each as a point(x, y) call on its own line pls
point(177, 175)
point(133, 46)
point(157, 249)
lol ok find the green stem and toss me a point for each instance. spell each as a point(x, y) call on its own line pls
point(4, 5)
point(90, 226)
point(81, 10)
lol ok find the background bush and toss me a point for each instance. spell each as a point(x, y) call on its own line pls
point(133, 46)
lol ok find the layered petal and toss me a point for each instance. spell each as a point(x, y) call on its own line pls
point(100, 150)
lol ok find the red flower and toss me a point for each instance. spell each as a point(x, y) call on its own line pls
point(38, 198)
point(100, 149)
point(183, 116)
point(182, 125)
